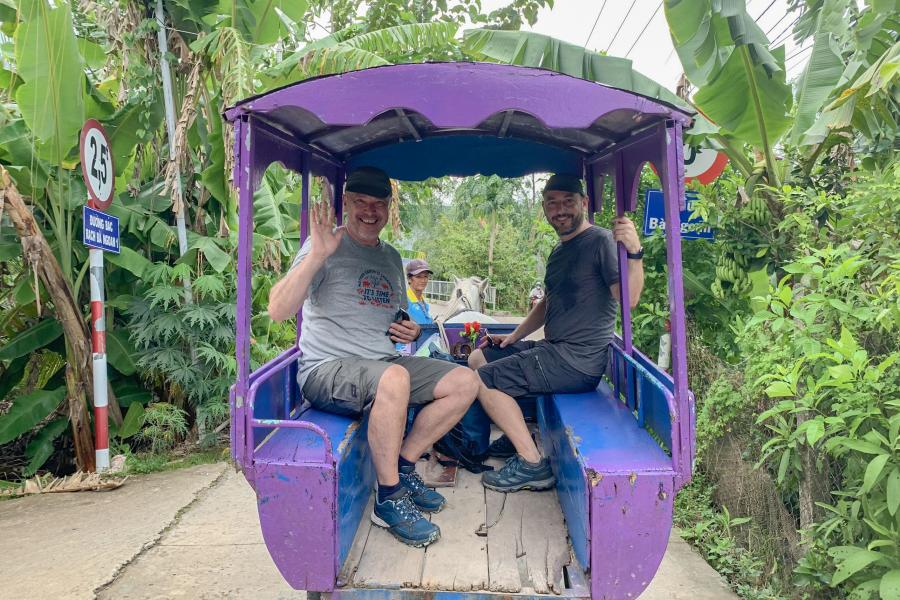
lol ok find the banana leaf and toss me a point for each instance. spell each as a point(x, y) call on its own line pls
point(47, 59)
point(537, 50)
point(729, 100)
point(818, 81)
point(120, 352)
point(40, 448)
point(27, 411)
point(31, 339)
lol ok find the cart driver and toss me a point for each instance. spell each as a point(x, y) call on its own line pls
point(578, 313)
point(351, 287)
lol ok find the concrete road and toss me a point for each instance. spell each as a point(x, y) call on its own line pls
point(193, 533)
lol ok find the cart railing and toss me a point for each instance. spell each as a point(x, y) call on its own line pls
point(441, 291)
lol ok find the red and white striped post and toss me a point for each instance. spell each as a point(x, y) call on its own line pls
point(97, 169)
point(98, 349)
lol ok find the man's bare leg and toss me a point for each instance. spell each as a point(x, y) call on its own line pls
point(387, 420)
point(504, 411)
point(506, 414)
point(453, 395)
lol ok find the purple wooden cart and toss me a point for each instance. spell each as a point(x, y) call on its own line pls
point(620, 453)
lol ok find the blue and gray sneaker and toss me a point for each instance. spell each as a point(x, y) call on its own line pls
point(400, 516)
point(517, 474)
point(425, 498)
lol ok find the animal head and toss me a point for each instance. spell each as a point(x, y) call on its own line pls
point(471, 291)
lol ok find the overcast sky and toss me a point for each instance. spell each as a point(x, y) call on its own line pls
point(651, 51)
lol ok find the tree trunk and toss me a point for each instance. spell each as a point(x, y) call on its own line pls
point(814, 481)
point(78, 356)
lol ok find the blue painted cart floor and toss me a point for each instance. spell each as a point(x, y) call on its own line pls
point(526, 549)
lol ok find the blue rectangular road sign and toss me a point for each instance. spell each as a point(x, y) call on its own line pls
point(100, 230)
point(691, 229)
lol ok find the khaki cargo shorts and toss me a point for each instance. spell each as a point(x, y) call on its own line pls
point(346, 386)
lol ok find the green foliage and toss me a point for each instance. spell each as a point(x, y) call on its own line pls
point(164, 426)
point(27, 411)
point(712, 532)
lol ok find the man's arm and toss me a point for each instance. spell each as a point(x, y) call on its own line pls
point(287, 296)
point(635, 282)
point(531, 323)
point(624, 231)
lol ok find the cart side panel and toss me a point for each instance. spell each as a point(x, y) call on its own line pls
point(571, 484)
point(297, 513)
point(631, 518)
point(356, 480)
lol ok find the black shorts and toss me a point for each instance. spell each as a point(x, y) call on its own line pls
point(528, 367)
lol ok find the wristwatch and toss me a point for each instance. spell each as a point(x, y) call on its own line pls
point(635, 255)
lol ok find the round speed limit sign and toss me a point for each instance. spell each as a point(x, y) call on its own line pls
point(97, 164)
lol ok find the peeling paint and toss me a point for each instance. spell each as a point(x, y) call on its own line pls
point(632, 478)
point(594, 477)
point(348, 436)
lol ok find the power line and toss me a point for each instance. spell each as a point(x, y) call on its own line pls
point(798, 53)
point(647, 24)
point(779, 38)
point(597, 20)
point(765, 10)
point(778, 22)
point(620, 26)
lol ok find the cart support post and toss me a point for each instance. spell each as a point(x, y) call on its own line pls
point(244, 178)
point(672, 169)
point(624, 292)
point(304, 218)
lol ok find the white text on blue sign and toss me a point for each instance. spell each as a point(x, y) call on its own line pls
point(691, 228)
point(100, 230)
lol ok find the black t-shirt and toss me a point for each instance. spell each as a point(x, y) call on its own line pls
point(581, 311)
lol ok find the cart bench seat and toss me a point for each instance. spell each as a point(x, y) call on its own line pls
point(591, 437)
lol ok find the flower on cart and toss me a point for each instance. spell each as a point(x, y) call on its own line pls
point(472, 332)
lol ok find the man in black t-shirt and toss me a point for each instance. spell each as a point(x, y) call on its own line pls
point(578, 313)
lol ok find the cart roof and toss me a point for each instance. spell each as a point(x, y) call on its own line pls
point(428, 120)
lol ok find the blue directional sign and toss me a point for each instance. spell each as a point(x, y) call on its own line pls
point(691, 229)
point(100, 230)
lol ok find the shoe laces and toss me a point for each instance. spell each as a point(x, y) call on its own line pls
point(512, 465)
point(413, 482)
point(407, 508)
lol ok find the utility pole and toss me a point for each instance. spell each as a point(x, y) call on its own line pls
point(170, 128)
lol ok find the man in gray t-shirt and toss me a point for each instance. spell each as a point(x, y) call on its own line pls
point(578, 313)
point(352, 290)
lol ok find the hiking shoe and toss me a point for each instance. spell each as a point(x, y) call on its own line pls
point(502, 447)
point(517, 475)
point(425, 498)
point(399, 515)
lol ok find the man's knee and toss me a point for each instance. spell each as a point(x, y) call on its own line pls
point(461, 382)
point(394, 383)
point(476, 359)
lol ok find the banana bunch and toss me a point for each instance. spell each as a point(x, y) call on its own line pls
point(757, 211)
point(731, 273)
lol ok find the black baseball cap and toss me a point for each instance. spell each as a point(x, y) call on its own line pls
point(565, 182)
point(370, 181)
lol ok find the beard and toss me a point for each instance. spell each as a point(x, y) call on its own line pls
point(568, 226)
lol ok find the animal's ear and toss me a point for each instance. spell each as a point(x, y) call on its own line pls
point(483, 284)
point(457, 281)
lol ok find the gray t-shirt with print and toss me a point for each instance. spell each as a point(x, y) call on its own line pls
point(351, 303)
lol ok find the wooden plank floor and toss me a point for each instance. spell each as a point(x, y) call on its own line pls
point(525, 549)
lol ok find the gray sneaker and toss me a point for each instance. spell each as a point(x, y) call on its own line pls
point(517, 475)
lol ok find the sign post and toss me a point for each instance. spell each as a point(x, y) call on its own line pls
point(100, 232)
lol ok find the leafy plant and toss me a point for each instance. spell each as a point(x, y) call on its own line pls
point(164, 426)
